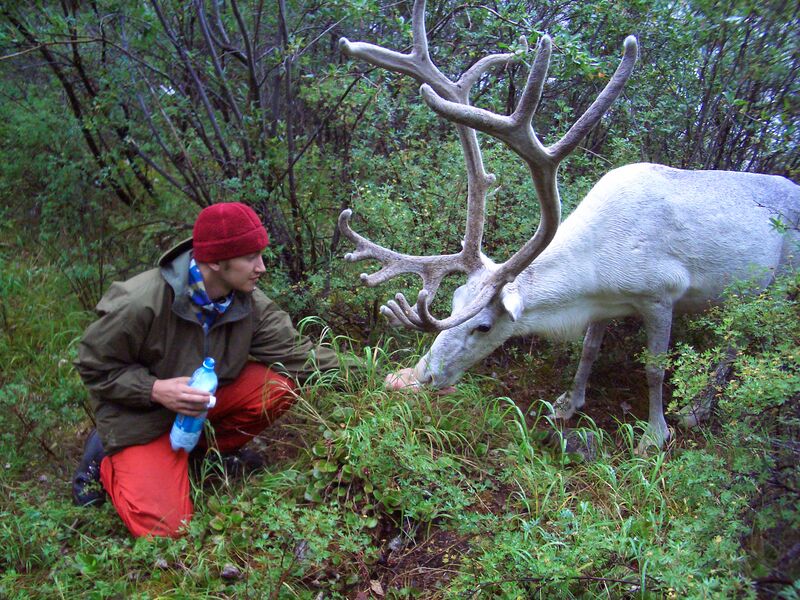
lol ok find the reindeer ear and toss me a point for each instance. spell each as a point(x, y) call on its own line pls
point(511, 300)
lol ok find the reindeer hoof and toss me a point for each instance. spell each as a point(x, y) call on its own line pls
point(644, 446)
point(653, 439)
point(564, 407)
point(692, 415)
point(575, 441)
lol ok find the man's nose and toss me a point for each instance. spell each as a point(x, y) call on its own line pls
point(260, 268)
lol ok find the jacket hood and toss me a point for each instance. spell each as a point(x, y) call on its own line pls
point(174, 252)
point(174, 266)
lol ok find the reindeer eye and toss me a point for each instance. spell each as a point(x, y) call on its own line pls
point(482, 328)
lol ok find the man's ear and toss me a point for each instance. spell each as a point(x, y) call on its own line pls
point(511, 300)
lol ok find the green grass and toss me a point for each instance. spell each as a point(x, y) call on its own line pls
point(459, 496)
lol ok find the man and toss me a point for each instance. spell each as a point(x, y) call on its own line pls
point(153, 331)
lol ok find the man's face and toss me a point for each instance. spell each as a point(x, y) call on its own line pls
point(242, 273)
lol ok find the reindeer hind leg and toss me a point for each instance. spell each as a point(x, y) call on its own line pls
point(658, 323)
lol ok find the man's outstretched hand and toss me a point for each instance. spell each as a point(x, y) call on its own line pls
point(405, 380)
point(176, 395)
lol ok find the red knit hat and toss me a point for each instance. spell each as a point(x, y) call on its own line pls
point(227, 230)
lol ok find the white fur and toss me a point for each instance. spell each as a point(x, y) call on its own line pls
point(647, 240)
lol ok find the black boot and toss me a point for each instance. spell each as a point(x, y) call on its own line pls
point(86, 487)
point(242, 462)
point(231, 464)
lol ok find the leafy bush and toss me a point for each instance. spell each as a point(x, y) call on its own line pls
point(756, 337)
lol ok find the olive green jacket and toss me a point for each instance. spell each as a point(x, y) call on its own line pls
point(148, 330)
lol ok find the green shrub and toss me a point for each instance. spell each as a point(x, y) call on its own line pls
point(757, 423)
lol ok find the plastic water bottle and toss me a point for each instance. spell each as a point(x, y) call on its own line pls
point(186, 430)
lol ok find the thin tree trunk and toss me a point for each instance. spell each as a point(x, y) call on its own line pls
point(298, 268)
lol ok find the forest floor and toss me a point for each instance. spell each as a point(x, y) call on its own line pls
point(618, 394)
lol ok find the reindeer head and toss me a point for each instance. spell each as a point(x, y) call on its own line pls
point(456, 349)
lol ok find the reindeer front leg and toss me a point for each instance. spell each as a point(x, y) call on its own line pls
point(568, 402)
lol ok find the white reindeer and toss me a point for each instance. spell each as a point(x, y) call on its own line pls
point(647, 240)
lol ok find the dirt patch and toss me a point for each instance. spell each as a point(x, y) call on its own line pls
point(282, 442)
point(528, 370)
point(427, 565)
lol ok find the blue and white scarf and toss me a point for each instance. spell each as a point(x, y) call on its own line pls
point(207, 309)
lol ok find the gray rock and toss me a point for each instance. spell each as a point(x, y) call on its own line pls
point(230, 572)
point(580, 442)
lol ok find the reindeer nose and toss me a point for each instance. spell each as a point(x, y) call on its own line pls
point(424, 378)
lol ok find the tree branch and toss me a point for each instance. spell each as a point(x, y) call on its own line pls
point(199, 5)
point(227, 163)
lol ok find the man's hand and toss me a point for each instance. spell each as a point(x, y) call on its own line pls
point(405, 380)
point(177, 396)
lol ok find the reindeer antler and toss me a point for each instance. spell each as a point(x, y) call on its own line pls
point(517, 132)
point(451, 100)
point(432, 269)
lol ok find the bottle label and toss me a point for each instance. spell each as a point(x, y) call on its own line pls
point(189, 424)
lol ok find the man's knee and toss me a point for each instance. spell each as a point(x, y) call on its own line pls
point(149, 488)
point(263, 393)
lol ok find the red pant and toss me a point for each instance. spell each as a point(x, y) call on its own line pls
point(149, 484)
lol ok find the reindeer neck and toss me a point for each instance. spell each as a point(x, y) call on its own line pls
point(557, 294)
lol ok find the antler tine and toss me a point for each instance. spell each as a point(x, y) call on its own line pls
point(431, 269)
point(418, 29)
point(419, 317)
point(419, 67)
point(529, 101)
point(417, 63)
point(364, 248)
point(601, 104)
point(484, 296)
point(400, 310)
point(468, 79)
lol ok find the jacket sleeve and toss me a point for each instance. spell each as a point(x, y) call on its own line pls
point(108, 353)
point(277, 344)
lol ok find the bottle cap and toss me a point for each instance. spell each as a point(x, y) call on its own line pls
point(209, 363)
point(212, 402)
